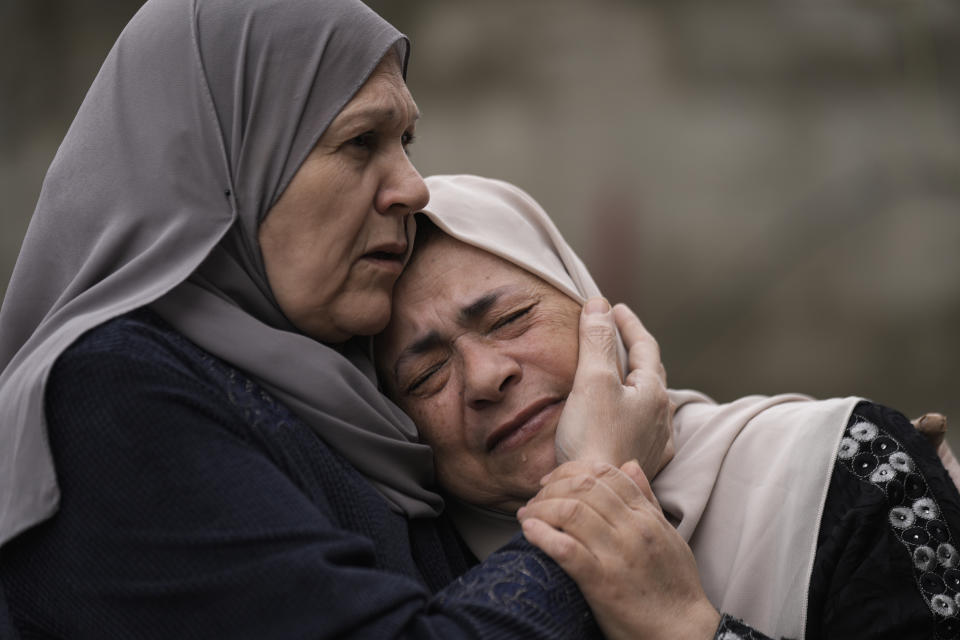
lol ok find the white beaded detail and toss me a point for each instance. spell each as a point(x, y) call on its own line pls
point(947, 556)
point(864, 431)
point(901, 462)
point(877, 458)
point(902, 517)
point(926, 508)
point(848, 448)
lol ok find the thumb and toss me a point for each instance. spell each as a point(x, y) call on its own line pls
point(598, 340)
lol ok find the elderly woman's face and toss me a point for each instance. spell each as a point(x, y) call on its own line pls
point(335, 242)
point(481, 354)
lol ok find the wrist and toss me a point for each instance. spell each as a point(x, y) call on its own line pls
point(704, 622)
point(598, 453)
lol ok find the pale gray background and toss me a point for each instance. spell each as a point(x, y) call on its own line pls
point(773, 186)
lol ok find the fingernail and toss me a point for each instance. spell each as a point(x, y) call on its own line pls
point(545, 479)
point(520, 512)
point(596, 305)
point(632, 469)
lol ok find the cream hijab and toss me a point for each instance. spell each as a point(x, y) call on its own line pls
point(747, 485)
point(198, 119)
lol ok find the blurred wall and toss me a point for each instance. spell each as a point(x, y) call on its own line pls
point(773, 186)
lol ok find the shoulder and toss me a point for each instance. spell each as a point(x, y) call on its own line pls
point(136, 340)
point(887, 554)
point(133, 375)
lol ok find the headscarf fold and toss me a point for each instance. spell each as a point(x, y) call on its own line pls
point(200, 116)
point(747, 485)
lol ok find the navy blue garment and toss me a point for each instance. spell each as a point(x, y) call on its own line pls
point(195, 506)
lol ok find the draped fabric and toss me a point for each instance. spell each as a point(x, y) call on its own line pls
point(747, 485)
point(200, 116)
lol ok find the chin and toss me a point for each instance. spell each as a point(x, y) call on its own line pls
point(536, 463)
point(371, 317)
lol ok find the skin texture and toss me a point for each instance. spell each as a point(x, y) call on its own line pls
point(476, 341)
point(335, 242)
point(489, 385)
point(485, 367)
point(604, 526)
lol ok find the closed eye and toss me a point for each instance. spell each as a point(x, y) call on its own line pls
point(511, 317)
point(421, 380)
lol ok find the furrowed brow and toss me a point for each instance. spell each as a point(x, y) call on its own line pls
point(420, 346)
point(479, 307)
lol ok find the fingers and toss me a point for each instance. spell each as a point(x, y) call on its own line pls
point(598, 340)
point(566, 551)
point(604, 488)
point(933, 426)
point(643, 350)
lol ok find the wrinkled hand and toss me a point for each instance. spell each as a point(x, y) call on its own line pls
point(934, 427)
point(612, 420)
point(604, 527)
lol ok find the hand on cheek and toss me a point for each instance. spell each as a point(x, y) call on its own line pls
point(609, 420)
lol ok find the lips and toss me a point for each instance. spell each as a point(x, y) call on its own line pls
point(390, 252)
point(524, 424)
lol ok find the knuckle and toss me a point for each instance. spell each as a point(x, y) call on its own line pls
point(659, 395)
point(598, 333)
point(584, 483)
point(572, 511)
point(565, 549)
point(605, 470)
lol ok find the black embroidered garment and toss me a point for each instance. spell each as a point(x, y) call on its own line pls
point(887, 564)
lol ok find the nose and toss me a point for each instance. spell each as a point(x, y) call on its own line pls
point(488, 374)
point(402, 190)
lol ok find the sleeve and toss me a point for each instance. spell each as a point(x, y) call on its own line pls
point(173, 525)
point(731, 628)
point(887, 562)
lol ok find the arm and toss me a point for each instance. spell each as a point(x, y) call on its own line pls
point(174, 523)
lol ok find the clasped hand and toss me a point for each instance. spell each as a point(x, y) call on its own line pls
point(604, 527)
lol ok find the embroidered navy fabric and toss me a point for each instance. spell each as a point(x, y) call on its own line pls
point(915, 517)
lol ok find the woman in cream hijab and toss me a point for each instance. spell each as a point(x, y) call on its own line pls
point(807, 518)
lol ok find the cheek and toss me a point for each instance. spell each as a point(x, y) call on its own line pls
point(437, 424)
point(557, 349)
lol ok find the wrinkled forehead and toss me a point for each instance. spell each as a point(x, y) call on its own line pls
point(447, 280)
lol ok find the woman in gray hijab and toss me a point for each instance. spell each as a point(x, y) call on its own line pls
point(191, 445)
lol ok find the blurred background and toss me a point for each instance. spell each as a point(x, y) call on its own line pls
point(773, 186)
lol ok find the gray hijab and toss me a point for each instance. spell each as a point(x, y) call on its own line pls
point(200, 116)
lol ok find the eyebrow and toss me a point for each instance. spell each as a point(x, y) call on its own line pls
point(479, 307)
point(372, 112)
point(420, 346)
point(432, 339)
